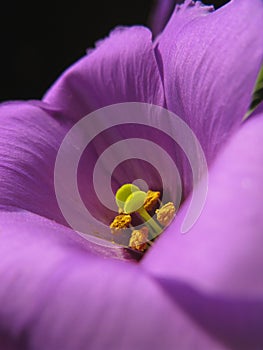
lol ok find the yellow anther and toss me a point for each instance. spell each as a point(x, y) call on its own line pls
point(120, 222)
point(138, 240)
point(166, 214)
point(151, 200)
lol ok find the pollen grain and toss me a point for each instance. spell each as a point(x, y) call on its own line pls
point(166, 214)
point(151, 200)
point(120, 222)
point(138, 240)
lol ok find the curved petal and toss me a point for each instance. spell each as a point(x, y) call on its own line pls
point(30, 135)
point(210, 61)
point(122, 68)
point(222, 252)
point(224, 317)
point(55, 295)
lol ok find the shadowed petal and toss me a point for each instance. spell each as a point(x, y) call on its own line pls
point(210, 61)
point(222, 252)
point(55, 295)
point(122, 68)
point(236, 321)
point(161, 14)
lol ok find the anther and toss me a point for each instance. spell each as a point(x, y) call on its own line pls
point(120, 222)
point(138, 240)
point(166, 214)
point(151, 200)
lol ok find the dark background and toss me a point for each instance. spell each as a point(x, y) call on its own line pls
point(40, 39)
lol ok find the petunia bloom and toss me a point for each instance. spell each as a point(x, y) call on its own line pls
point(202, 290)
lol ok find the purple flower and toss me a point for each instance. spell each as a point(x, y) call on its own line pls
point(202, 290)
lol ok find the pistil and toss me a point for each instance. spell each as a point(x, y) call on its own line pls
point(148, 219)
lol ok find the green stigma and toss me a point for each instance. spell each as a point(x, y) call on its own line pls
point(123, 193)
point(134, 202)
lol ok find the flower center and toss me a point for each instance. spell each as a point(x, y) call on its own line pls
point(154, 216)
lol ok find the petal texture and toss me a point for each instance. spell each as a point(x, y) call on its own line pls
point(30, 135)
point(210, 61)
point(223, 250)
point(55, 295)
point(122, 68)
point(222, 253)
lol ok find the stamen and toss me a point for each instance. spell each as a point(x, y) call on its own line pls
point(149, 220)
point(151, 200)
point(134, 203)
point(166, 214)
point(120, 222)
point(130, 199)
point(138, 240)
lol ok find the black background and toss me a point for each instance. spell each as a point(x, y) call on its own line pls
point(40, 39)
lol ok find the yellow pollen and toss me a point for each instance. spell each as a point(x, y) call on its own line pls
point(151, 200)
point(138, 240)
point(166, 214)
point(120, 222)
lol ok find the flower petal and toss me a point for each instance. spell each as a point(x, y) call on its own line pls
point(122, 68)
point(55, 295)
point(30, 136)
point(222, 251)
point(210, 61)
point(222, 254)
point(224, 317)
point(30, 133)
point(161, 14)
